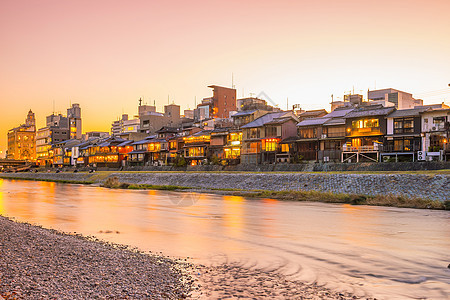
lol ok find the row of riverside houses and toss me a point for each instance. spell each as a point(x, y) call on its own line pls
point(389, 126)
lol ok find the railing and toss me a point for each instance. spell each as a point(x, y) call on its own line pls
point(364, 131)
point(391, 148)
point(360, 148)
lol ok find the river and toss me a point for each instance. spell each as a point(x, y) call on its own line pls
point(382, 252)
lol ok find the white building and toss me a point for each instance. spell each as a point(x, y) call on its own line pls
point(125, 125)
point(399, 99)
point(434, 134)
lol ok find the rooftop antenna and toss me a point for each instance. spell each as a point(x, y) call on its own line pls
point(140, 101)
point(195, 101)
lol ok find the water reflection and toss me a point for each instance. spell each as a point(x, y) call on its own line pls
point(386, 252)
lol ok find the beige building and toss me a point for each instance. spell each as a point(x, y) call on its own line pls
point(151, 121)
point(22, 140)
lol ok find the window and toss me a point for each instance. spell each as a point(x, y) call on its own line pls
point(269, 145)
point(253, 133)
point(196, 151)
point(334, 131)
point(365, 123)
point(284, 147)
point(271, 131)
point(307, 133)
point(403, 125)
point(406, 144)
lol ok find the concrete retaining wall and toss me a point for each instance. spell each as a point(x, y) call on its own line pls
point(436, 187)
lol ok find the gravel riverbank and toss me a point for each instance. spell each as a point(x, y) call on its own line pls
point(38, 263)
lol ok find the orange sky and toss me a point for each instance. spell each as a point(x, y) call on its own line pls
point(106, 54)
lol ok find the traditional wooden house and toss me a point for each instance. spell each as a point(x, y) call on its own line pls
point(403, 138)
point(366, 127)
point(108, 153)
point(261, 138)
point(176, 143)
point(196, 147)
point(244, 117)
point(147, 152)
point(217, 143)
point(232, 148)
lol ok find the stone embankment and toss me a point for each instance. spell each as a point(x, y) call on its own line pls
point(424, 186)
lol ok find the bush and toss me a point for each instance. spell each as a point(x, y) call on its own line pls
point(179, 161)
point(447, 205)
point(214, 160)
point(114, 183)
point(297, 158)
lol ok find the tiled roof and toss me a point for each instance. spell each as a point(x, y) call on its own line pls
point(313, 121)
point(263, 120)
point(369, 111)
point(334, 121)
point(244, 113)
point(203, 132)
point(407, 112)
point(126, 143)
point(310, 113)
point(339, 112)
point(279, 120)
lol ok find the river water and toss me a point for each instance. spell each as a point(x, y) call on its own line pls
point(381, 252)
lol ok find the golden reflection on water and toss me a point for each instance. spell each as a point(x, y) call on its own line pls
point(234, 215)
point(2, 206)
point(352, 217)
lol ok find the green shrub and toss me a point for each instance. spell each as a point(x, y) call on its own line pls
point(447, 205)
point(179, 161)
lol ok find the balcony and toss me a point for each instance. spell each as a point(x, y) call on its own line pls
point(392, 148)
point(347, 148)
point(365, 131)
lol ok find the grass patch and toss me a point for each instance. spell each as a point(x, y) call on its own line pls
point(354, 199)
point(114, 183)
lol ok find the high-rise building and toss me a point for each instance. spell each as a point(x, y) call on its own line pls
point(220, 105)
point(74, 119)
point(58, 128)
point(22, 140)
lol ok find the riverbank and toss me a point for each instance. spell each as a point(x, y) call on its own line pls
point(400, 189)
point(38, 263)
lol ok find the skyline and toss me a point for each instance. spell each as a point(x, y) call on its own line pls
point(106, 55)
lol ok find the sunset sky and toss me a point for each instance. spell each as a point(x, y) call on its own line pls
point(105, 55)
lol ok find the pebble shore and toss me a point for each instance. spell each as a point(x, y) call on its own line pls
point(39, 263)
